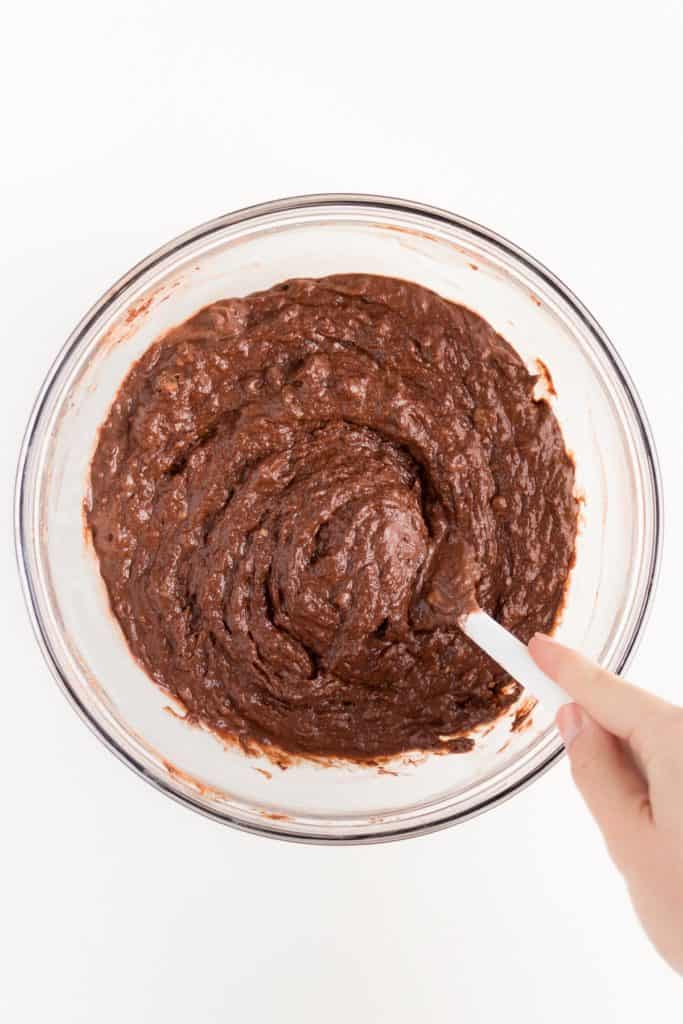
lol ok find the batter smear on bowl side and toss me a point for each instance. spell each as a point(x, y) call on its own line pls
point(295, 493)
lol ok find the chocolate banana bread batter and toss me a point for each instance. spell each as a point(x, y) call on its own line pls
point(295, 495)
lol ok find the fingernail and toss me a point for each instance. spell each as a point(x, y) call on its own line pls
point(570, 723)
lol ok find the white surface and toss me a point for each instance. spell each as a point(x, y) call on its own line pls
point(128, 124)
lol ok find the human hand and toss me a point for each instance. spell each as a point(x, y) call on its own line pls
point(625, 749)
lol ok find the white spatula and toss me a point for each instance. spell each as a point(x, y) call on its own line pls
point(512, 655)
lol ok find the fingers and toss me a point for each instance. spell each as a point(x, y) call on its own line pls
point(609, 782)
point(620, 707)
point(663, 766)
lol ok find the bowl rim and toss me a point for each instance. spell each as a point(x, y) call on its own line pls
point(382, 204)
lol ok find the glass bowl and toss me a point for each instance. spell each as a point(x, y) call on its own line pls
point(604, 427)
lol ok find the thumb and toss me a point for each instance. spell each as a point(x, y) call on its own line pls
point(621, 708)
point(609, 782)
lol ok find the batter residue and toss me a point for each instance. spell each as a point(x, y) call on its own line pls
point(296, 493)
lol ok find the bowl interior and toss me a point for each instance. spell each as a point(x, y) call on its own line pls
point(616, 545)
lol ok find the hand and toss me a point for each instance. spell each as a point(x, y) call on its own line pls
point(625, 748)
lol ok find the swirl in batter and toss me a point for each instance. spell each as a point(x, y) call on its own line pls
point(295, 494)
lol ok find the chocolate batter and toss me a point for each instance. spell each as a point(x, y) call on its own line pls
point(295, 494)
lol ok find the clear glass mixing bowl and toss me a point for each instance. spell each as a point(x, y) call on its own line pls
point(604, 426)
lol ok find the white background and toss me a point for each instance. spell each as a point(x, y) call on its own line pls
point(125, 124)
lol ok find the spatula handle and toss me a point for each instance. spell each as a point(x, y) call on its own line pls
point(513, 656)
